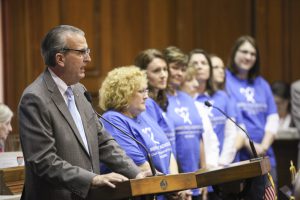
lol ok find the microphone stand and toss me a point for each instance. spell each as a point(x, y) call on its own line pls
point(248, 183)
point(253, 150)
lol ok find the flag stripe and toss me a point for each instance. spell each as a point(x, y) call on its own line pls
point(270, 193)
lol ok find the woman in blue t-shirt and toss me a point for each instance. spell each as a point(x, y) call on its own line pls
point(155, 65)
point(200, 72)
point(253, 98)
point(123, 97)
point(219, 80)
point(223, 127)
point(183, 112)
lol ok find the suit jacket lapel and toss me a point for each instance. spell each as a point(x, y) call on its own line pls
point(88, 116)
point(62, 107)
point(80, 103)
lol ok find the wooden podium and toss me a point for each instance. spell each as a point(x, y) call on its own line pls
point(233, 172)
point(145, 186)
point(12, 179)
point(170, 183)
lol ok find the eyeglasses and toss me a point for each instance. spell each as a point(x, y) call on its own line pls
point(143, 91)
point(83, 52)
point(218, 67)
point(247, 52)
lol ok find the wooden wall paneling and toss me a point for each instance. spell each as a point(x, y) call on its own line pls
point(127, 25)
point(277, 24)
point(286, 39)
point(39, 18)
point(274, 71)
point(83, 17)
point(294, 40)
point(238, 17)
point(49, 13)
point(260, 32)
point(102, 40)
point(205, 25)
point(220, 23)
point(86, 16)
point(29, 49)
point(105, 38)
point(185, 29)
point(23, 30)
point(269, 35)
point(160, 24)
point(14, 45)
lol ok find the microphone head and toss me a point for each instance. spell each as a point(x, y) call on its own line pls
point(207, 103)
point(88, 96)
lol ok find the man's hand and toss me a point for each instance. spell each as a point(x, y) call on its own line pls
point(108, 180)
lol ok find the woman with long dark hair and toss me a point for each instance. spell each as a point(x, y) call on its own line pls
point(253, 98)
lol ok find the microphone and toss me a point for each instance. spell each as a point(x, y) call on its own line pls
point(208, 104)
point(88, 96)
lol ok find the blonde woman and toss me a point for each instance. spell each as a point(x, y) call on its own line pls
point(123, 97)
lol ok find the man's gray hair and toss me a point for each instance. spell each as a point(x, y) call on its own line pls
point(54, 42)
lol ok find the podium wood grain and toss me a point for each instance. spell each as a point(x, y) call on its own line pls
point(146, 186)
point(233, 172)
point(11, 180)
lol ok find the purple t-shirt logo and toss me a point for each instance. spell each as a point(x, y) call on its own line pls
point(148, 132)
point(249, 93)
point(183, 112)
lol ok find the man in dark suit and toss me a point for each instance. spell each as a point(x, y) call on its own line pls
point(63, 150)
point(295, 102)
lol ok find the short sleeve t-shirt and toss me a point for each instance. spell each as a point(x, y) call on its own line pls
point(221, 100)
point(144, 129)
point(153, 109)
point(255, 102)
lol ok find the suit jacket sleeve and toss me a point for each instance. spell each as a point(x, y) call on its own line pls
point(111, 154)
point(295, 100)
point(41, 155)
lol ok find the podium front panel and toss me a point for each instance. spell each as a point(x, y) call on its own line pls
point(233, 172)
point(161, 184)
point(145, 186)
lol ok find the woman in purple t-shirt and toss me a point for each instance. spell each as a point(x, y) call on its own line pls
point(253, 98)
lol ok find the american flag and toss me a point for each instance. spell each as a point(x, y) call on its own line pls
point(270, 193)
